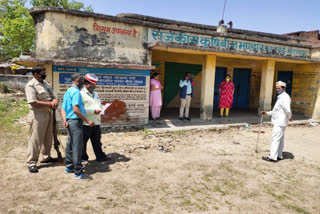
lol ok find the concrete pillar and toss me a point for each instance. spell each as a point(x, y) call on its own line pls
point(267, 85)
point(316, 109)
point(207, 87)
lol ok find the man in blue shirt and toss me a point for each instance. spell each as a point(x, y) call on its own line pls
point(186, 93)
point(73, 115)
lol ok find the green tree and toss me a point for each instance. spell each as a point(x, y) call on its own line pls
point(66, 4)
point(16, 29)
point(17, 34)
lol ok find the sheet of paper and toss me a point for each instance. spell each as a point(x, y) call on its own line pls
point(104, 108)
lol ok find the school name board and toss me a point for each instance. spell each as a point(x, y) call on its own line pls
point(128, 86)
point(225, 43)
point(86, 70)
point(65, 78)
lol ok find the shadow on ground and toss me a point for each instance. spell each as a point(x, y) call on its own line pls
point(95, 166)
point(287, 155)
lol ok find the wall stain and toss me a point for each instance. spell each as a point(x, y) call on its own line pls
point(88, 46)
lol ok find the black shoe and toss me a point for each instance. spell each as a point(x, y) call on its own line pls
point(106, 158)
point(50, 160)
point(268, 159)
point(279, 159)
point(33, 169)
point(181, 118)
point(187, 118)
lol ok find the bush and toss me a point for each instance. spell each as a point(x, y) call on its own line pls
point(5, 89)
point(11, 109)
point(11, 87)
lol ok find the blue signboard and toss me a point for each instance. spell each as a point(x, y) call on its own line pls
point(65, 78)
point(112, 71)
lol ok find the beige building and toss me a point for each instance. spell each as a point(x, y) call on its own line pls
point(122, 50)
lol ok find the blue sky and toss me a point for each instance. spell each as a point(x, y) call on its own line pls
point(272, 16)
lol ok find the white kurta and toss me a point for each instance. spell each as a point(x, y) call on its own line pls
point(280, 116)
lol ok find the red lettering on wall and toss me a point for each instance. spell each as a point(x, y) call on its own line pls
point(123, 32)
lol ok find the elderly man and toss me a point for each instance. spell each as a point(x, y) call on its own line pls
point(280, 116)
point(41, 100)
point(92, 105)
point(73, 115)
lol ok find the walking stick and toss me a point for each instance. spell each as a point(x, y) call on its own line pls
point(56, 142)
point(261, 120)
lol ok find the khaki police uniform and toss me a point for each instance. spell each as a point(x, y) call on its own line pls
point(41, 121)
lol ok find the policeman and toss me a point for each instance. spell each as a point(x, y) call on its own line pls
point(41, 100)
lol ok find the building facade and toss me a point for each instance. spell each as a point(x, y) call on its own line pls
point(123, 50)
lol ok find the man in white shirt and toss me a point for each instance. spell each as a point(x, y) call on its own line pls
point(280, 117)
point(186, 93)
point(93, 107)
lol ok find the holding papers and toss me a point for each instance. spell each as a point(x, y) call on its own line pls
point(104, 108)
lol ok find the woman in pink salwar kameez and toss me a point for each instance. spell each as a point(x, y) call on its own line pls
point(155, 96)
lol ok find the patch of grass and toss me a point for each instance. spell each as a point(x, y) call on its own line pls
point(147, 132)
point(247, 194)
point(296, 208)
point(11, 134)
point(227, 166)
point(12, 109)
point(110, 203)
point(218, 188)
point(283, 199)
point(87, 207)
point(209, 176)
point(227, 186)
point(180, 132)
point(4, 88)
point(187, 203)
point(164, 188)
point(229, 204)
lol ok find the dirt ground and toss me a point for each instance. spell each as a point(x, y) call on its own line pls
point(193, 172)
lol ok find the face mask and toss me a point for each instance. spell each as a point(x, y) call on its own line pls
point(81, 85)
point(91, 89)
point(43, 76)
point(227, 79)
point(279, 92)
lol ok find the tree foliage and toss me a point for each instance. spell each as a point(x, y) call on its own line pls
point(16, 29)
point(17, 34)
point(66, 4)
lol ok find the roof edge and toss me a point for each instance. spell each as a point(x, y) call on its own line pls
point(20, 61)
point(154, 22)
point(209, 27)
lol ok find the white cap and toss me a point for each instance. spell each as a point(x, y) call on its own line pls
point(280, 83)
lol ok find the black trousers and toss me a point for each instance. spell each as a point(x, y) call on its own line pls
point(94, 134)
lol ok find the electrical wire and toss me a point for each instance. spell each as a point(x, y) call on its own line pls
point(224, 8)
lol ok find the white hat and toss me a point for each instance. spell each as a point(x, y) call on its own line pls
point(92, 78)
point(280, 83)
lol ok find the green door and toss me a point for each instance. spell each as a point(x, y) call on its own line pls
point(174, 72)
